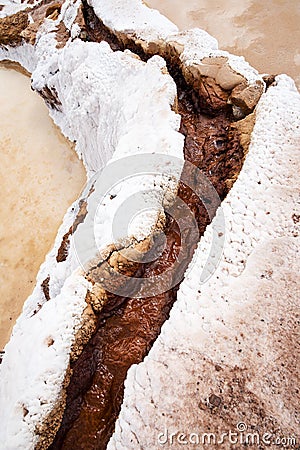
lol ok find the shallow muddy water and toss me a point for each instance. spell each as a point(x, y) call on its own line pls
point(266, 33)
point(40, 176)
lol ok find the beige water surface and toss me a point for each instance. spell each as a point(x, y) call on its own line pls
point(265, 32)
point(40, 176)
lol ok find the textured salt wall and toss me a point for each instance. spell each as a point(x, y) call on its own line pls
point(229, 351)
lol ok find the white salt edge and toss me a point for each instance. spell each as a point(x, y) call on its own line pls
point(135, 16)
point(12, 7)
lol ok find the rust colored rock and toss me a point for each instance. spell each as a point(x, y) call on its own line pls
point(62, 35)
point(214, 401)
point(51, 97)
point(53, 11)
point(49, 10)
point(81, 214)
point(85, 332)
point(63, 250)
point(245, 128)
point(115, 271)
point(212, 96)
point(11, 28)
point(96, 31)
point(15, 66)
point(45, 287)
point(80, 18)
point(269, 79)
point(246, 97)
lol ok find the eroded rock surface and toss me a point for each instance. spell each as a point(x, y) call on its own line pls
point(11, 28)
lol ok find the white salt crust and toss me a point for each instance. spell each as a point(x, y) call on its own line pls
point(12, 7)
point(24, 55)
point(233, 319)
point(68, 9)
point(133, 16)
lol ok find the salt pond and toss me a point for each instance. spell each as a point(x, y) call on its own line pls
point(40, 176)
